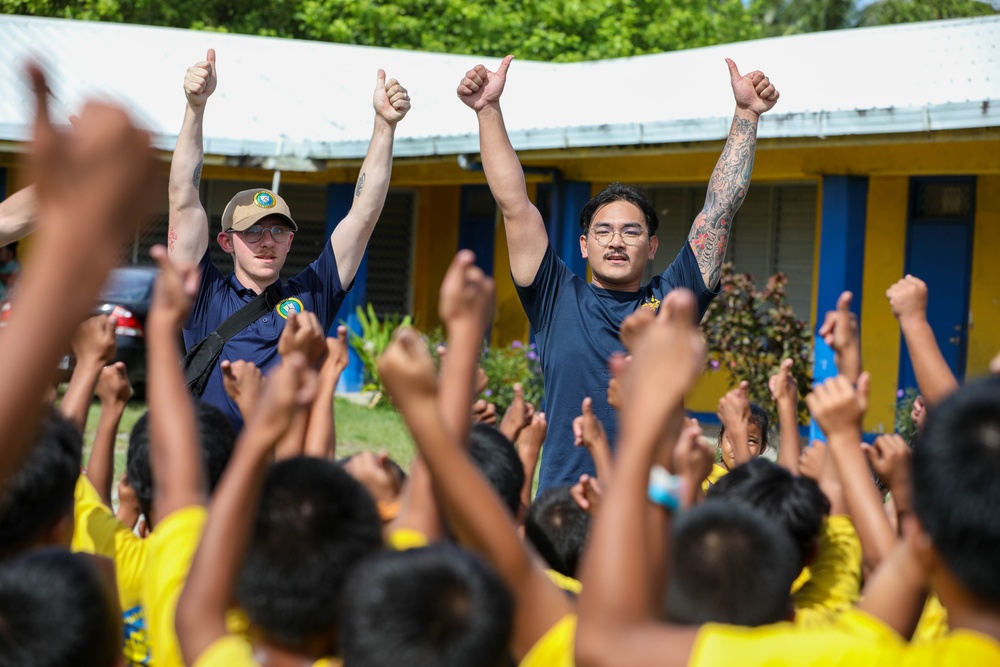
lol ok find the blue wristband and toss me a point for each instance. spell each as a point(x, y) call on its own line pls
point(665, 489)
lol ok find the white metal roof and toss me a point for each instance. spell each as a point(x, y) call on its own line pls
point(313, 99)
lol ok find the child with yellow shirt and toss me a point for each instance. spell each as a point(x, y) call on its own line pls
point(952, 548)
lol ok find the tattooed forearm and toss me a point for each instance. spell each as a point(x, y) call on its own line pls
point(196, 177)
point(361, 184)
point(726, 191)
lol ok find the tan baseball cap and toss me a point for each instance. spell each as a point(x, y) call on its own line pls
point(249, 207)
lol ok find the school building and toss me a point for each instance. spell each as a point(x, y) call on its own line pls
point(881, 158)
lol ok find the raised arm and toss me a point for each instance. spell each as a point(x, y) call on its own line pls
point(114, 390)
point(785, 392)
point(211, 584)
point(350, 236)
point(908, 299)
point(187, 236)
point(94, 347)
point(527, 239)
point(615, 623)
point(17, 215)
point(730, 181)
point(93, 185)
point(173, 452)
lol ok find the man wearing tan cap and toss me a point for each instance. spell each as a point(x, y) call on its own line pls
point(257, 230)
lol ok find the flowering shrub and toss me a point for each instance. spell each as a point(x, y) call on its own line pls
point(904, 418)
point(506, 365)
point(372, 341)
point(749, 333)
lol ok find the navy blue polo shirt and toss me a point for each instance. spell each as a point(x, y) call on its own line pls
point(316, 289)
point(576, 327)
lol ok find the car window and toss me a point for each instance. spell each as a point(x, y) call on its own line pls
point(127, 286)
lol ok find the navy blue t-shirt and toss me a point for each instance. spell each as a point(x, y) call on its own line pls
point(576, 329)
point(316, 289)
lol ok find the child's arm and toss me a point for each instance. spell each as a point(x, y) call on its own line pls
point(839, 408)
point(517, 416)
point(734, 413)
point(897, 590)
point(908, 299)
point(840, 332)
point(244, 382)
point(589, 432)
point(321, 436)
point(114, 390)
point(817, 465)
point(17, 215)
point(692, 460)
point(785, 392)
point(201, 609)
point(529, 445)
point(615, 627)
point(94, 347)
point(890, 457)
point(93, 185)
point(303, 334)
point(173, 450)
point(475, 512)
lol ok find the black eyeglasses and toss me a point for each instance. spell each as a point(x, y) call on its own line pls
point(630, 235)
point(256, 233)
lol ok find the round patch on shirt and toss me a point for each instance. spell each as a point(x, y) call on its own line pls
point(264, 199)
point(287, 306)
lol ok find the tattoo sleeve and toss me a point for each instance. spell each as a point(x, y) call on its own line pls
point(361, 184)
point(196, 177)
point(726, 191)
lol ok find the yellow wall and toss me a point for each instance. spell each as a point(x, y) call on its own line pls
point(885, 254)
point(711, 386)
point(984, 296)
point(436, 240)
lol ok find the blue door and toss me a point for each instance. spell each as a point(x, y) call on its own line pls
point(939, 252)
point(477, 225)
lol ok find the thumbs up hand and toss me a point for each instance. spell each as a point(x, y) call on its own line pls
point(754, 91)
point(200, 80)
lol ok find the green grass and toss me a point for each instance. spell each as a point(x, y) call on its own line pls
point(359, 428)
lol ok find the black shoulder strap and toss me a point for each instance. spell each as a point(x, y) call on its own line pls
point(201, 359)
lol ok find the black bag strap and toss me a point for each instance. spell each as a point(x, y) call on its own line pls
point(201, 359)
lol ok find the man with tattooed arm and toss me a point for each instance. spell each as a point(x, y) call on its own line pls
point(576, 324)
point(257, 230)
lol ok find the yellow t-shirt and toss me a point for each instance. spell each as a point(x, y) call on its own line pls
point(555, 648)
point(171, 549)
point(718, 472)
point(833, 582)
point(404, 539)
point(97, 531)
point(933, 622)
point(854, 640)
point(234, 651)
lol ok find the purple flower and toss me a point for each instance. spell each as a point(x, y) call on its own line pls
point(531, 356)
point(714, 363)
point(516, 345)
point(532, 346)
point(900, 393)
point(488, 393)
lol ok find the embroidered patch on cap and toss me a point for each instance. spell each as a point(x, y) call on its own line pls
point(264, 199)
point(288, 306)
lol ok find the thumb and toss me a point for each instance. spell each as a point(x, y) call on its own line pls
point(227, 368)
point(844, 302)
point(518, 393)
point(786, 365)
point(380, 79)
point(863, 383)
point(734, 73)
point(210, 57)
point(341, 332)
point(502, 69)
point(588, 404)
point(744, 387)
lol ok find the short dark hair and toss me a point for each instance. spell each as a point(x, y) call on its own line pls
point(430, 607)
point(618, 192)
point(315, 523)
point(760, 419)
point(731, 564)
point(55, 609)
point(796, 503)
point(496, 458)
point(40, 492)
point(215, 436)
point(558, 529)
point(956, 485)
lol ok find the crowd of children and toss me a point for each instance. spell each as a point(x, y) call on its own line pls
point(261, 547)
